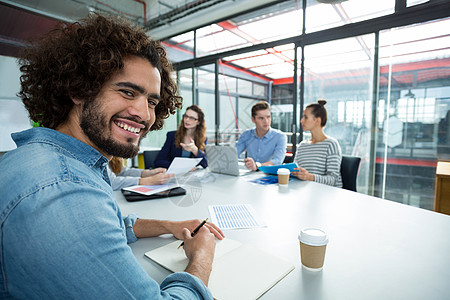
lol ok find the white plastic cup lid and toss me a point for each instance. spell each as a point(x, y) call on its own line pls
point(283, 171)
point(313, 236)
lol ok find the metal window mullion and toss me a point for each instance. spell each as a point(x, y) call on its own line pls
point(373, 132)
point(217, 99)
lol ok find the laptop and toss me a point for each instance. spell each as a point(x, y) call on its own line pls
point(224, 160)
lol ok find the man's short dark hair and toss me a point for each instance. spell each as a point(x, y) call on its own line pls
point(74, 61)
point(261, 105)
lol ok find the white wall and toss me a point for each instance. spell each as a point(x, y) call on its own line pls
point(13, 115)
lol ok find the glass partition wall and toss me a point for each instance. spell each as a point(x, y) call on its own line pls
point(415, 103)
point(205, 98)
point(341, 72)
point(387, 87)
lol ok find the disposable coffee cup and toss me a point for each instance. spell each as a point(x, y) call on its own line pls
point(313, 243)
point(283, 176)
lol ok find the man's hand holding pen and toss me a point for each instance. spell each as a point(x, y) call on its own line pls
point(212, 228)
point(194, 232)
point(203, 242)
point(200, 248)
point(250, 164)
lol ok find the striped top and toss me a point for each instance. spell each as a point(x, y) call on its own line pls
point(322, 159)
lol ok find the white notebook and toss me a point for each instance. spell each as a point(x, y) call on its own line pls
point(239, 270)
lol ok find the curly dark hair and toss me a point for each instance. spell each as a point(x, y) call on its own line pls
point(75, 60)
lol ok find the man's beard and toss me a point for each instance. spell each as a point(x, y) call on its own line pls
point(97, 128)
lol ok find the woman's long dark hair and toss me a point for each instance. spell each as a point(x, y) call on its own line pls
point(200, 131)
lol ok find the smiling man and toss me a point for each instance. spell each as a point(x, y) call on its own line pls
point(122, 113)
point(264, 145)
point(97, 87)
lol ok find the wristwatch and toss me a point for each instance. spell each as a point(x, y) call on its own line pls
point(258, 164)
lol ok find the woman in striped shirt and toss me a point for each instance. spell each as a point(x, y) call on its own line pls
point(318, 159)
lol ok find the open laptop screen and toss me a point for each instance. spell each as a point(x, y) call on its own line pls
point(224, 160)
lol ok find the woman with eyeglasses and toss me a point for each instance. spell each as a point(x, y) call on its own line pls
point(188, 140)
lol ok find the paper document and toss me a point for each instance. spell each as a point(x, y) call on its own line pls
point(239, 271)
point(151, 189)
point(235, 216)
point(182, 165)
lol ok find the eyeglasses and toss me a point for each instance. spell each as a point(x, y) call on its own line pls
point(185, 116)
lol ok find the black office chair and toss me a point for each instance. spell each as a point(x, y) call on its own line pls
point(288, 159)
point(149, 158)
point(349, 171)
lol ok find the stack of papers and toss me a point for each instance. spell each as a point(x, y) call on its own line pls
point(151, 189)
point(179, 166)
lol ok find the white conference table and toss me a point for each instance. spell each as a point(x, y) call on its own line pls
point(378, 249)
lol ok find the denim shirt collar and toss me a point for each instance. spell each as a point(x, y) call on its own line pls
point(66, 143)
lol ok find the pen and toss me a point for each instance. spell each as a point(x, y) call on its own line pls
point(195, 231)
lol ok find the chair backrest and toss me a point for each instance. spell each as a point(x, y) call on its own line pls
point(149, 158)
point(349, 171)
point(288, 159)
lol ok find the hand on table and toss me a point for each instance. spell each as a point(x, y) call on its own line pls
point(302, 174)
point(159, 178)
point(147, 173)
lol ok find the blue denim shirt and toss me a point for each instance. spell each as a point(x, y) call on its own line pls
point(271, 147)
point(62, 233)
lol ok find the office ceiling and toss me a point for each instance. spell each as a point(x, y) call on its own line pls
point(21, 20)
